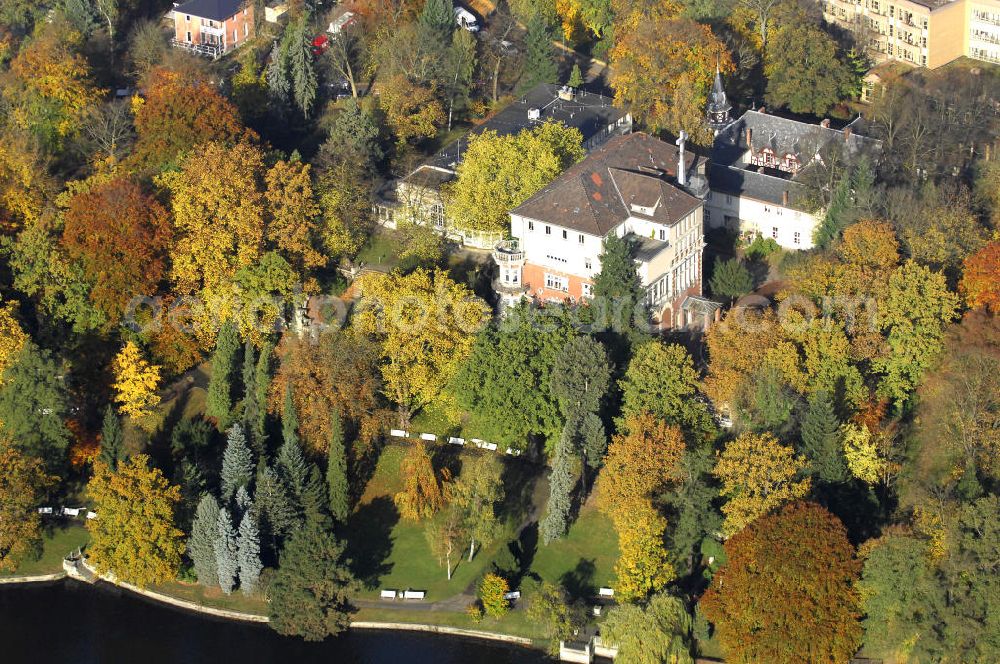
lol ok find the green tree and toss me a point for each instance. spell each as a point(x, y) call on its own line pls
point(301, 69)
point(219, 401)
point(804, 71)
point(540, 65)
point(498, 173)
point(226, 552)
point(437, 22)
point(201, 543)
point(555, 523)
point(661, 379)
point(913, 319)
point(112, 438)
point(277, 513)
point(459, 67)
point(34, 406)
point(658, 632)
point(575, 79)
point(476, 493)
point(766, 402)
point(731, 279)
point(336, 471)
point(304, 483)
point(237, 463)
point(619, 298)
point(517, 354)
point(821, 440)
point(310, 595)
point(353, 140)
point(581, 376)
point(248, 553)
point(551, 609)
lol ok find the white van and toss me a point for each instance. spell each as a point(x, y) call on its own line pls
point(466, 19)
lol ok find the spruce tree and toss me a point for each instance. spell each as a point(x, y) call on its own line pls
point(257, 425)
point(539, 62)
point(575, 77)
point(300, 62)
point(252, 408)
point(304, 481)
point(243, 501)
point(437, 22)
point(226, 552)
point(556, 520)
point(248, 546)
point(336, 471)
point(278, 85)
point(219, 401)
point(731, 279)
point(274, 505)
point(201, 543)
point(619, 299)
point(821, 442)
point(237, 463)
point(289, 419)
point(112, 438)
point(310, 596)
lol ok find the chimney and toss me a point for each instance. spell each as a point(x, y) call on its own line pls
point(847, 134)
point(749, 136)
point(681, 175)
point(825, 124)
point(784, 198)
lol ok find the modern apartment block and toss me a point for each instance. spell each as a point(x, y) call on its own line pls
point(925, 33)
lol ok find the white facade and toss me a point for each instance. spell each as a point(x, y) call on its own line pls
point(792, 229)
point(561, 249)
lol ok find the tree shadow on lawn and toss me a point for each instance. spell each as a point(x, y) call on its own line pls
point(369, 539)
point(579, 582)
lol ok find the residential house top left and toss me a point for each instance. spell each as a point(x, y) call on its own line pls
point(212, 28)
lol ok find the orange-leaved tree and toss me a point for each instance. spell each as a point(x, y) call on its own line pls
point(981, 278)
point(786, 592)
point(22, 481)
point(423, 491)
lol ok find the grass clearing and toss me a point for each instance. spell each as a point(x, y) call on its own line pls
point(58, 540)
point(584, 560)
point(213, 597)
point(516, 622)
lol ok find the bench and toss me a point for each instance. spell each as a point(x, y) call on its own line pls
point(387, 594)
point(398, 433)
point(414, 594)
point(91, 515)
point(514, 594)
point(490, 446)
point(456, 441)
point(511, 451)
point(477, 442)
point(45, 510)
point(71, 511)
point(428, 436)
point(606, 592)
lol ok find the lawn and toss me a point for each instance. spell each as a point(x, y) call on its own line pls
point(583, 561)
point(213, 597)
point(57, 541)
point(516, 622)
point(381, 251)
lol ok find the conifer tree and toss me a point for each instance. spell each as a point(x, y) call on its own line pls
point(278, 85)
point(277, 512)
point(112, 438)
point(619, 298)
point(300, 64)
point(556, 520)
point(243, 501)
point(219, 401)
point(237, 463)
point(336, 471)
point(437, 22)
point(257, 423)
point(248, 546)
point(304, 481)
point(540, 64)
point(201, 544)
point(821, 440)
point(252, 407)
point(226, 552)
point(289, 419)
point(575, 77)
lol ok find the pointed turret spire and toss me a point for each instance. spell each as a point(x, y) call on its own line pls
point(718, 109)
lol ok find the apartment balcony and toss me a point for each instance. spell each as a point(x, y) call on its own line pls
point(508, 252)
point(213, 51)
point(214, 32)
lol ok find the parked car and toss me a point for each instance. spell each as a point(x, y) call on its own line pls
point(320, 45)
point(466, 19)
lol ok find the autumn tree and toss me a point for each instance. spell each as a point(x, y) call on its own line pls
point(980, 283)
point(425, 325)
point(136, 381)
point(758, 474)
point(51, 90)
point(25, 184)
point(800, 570)
point(651, 56)
point(423, 490)
point(219, 214)
point(492, 591)
point(444, 534)
point(120, 235)
point(23, 481)
point(179, 111)
point(412, 111)
point(310, 594)
point(294, 214)
point(12, 336)
point(498, 173)
point(139, 546)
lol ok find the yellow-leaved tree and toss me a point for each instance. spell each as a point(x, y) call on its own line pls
point(135, 383)
point(423, 491)
point(425, 324)
point(22, 481)
point(134, 536)
point(12, 337)
point(758, 475)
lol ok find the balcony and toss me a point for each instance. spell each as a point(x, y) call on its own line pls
point(508, 252)
point(213, 51)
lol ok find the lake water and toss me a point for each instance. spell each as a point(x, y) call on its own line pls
point(72, 623)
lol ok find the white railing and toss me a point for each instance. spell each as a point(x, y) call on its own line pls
point(508, 251)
